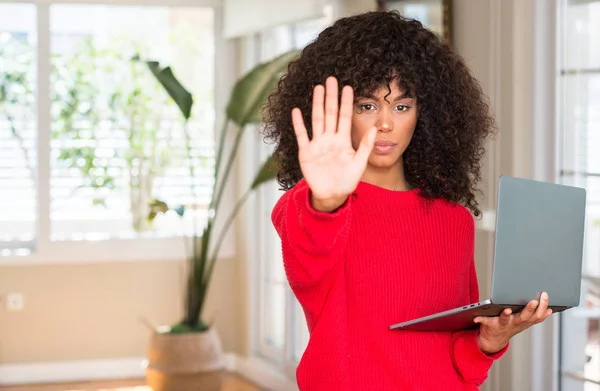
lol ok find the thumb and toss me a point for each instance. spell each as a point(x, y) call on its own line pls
point(505, 316)
point(366, 146)
point(483, 320)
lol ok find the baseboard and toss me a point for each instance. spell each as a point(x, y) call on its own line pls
point(255, 370)
point(262, 374)
point(71, 371)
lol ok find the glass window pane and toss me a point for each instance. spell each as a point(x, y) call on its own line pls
point(581, 35)
point(579, 331)
point(579, 130)
point(589, 386)
point(577, 382)
point(580, 125)
point(18, 125)
point(118, 140)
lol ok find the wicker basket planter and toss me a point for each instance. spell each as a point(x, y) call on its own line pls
point(184, 362)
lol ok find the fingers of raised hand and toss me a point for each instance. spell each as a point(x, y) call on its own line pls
point(299, 128)
point(329, 115)
point(331, 105)
point(366, 146)
point(318, 113)
point(345, 119)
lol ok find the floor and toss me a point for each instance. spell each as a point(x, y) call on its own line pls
point(232, 383)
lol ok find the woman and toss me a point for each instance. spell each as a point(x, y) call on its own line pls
point(379, 130)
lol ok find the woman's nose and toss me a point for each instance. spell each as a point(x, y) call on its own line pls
point(384, 122)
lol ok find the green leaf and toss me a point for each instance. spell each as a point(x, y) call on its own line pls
point(180, 210)
point(267, 172)
point(181, 328)
point(99, 201)
point(151, 216)
point(159, 206)
point(156, 207)
point(181, 96)
point(251, 92)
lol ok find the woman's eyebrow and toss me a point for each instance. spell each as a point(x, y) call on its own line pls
point(404, 95)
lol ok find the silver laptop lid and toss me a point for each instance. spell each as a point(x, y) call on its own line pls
point(539, 242)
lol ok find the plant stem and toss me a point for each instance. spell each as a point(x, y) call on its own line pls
point(188, 148)
point(232, 155)
point(227, 224)
point(191, 296)
point(199, 262)
point(219, 156)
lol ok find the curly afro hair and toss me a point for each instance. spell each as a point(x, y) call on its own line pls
point(371, 50)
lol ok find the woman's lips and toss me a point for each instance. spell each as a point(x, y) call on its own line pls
point(383, 147)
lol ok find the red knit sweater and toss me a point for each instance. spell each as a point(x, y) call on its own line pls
point(382, 258)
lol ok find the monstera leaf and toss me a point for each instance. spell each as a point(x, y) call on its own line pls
point(251, 92)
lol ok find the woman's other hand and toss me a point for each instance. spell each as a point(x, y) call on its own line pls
point(496, 332)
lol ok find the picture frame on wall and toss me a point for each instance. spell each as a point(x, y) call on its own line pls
point(436, 15)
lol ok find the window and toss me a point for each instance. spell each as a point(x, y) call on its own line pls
point(18, 127)
point(282, 333)
point(114, 141)
point(579, 163)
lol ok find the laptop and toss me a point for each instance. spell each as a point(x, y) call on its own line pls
point(538, 248)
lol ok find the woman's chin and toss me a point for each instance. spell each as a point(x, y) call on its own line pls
point(384, 161)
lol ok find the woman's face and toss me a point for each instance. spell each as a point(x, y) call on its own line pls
point(395, 117)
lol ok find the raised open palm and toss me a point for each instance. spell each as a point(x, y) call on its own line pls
point(330, 165)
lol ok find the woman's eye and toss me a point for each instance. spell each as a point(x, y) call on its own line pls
point(402, 108)
point(366, 106)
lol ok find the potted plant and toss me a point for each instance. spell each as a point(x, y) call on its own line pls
point(188, 354)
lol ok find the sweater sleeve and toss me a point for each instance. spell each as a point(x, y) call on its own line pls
point(471, 363)
point(312, 242)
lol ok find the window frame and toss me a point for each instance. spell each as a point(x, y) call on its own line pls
point(544, 349)
point(283, 359)
point(42, 250)
point(567, 377)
